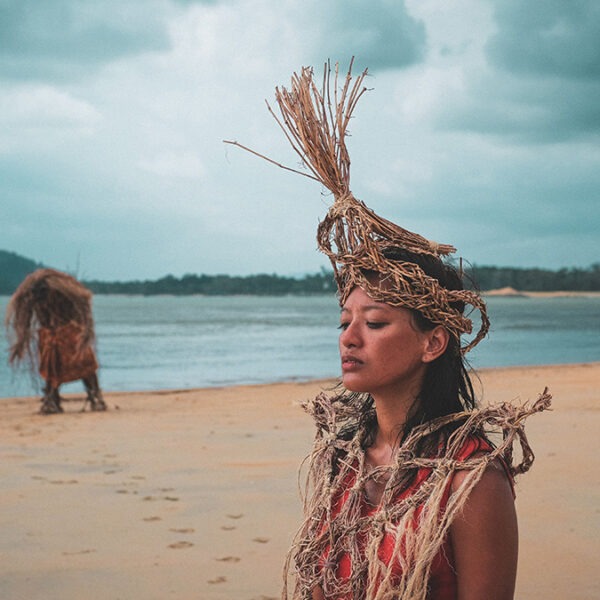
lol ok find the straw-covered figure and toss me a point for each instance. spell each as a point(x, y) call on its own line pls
point(409, 493)
point(51, 330)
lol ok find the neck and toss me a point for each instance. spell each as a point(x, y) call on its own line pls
point(392, 414)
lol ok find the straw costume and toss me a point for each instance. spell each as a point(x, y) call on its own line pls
point(49, 319)
point(393, 550)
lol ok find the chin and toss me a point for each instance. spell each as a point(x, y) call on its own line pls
point(353, 386)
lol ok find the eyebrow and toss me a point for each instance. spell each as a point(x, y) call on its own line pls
point(367, 308)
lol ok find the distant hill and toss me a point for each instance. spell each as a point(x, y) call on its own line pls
point(13, 269)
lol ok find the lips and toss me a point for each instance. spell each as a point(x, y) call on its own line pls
point(350, 362)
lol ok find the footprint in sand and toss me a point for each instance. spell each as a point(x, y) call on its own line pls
point(238, 516)
point(64, 482)
point(260, 540)
point(153, 498)
point(90, 551)
point(150, 519)
point(179, 545)
point(219, 579)
point(228, 527)
point(229, 559)
point(184, 530)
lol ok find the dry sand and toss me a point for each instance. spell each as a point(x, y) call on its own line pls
point(193, 494)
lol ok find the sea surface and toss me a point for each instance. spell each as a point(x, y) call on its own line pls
point(180, 342)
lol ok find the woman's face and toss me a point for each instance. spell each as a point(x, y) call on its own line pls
point(382, 351)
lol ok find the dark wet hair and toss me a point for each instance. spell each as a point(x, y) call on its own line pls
point(447, 386)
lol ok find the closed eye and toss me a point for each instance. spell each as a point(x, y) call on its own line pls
point(376, 324)
point(343, 326)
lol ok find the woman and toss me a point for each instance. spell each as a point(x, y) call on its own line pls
point(406, 496)
point(399, 371)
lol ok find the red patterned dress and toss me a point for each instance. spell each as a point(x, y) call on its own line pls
point(442, 583)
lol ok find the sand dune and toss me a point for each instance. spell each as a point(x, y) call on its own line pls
point(193, 494)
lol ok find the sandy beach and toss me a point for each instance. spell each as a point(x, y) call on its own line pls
point(193, 494)
point(512, 292)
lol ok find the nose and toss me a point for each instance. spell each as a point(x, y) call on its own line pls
point(350, 337)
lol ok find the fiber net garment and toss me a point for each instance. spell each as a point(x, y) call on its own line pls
point(399, 548)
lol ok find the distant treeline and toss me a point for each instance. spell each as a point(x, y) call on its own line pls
point(220, 285)
point(485, 278)
point(14, 268)
point(537, 280)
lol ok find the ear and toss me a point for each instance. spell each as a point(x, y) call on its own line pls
point(436, 342)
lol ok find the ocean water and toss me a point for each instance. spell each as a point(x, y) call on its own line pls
point(167, 342)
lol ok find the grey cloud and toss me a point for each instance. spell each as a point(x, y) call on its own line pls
point(547, 38)
point(192, 2)
point(528, 112)
point(381, 33)
point(544, 77)
point(64, 39)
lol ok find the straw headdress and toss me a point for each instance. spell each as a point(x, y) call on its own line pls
point(355, 238)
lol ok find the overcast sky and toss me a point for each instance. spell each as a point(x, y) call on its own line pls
point(481, 129)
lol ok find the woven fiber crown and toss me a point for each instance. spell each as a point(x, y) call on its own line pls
point(357, 240)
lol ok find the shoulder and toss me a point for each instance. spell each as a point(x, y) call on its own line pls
point(494, 478)
point(497, 472)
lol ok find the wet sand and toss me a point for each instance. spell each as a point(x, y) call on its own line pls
point(193, 494)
